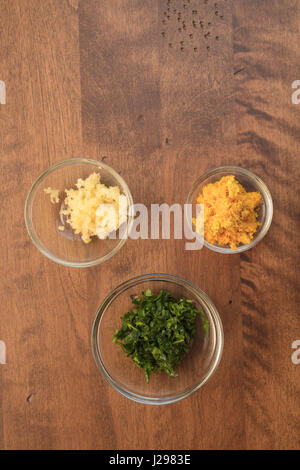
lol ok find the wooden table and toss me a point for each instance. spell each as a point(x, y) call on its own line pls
point(162, 92)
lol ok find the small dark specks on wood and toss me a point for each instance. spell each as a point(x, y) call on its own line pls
point(168, 142)
point(104, 158)
point(191, 21)
point(230, 302)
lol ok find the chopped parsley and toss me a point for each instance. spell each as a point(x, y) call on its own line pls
point(157, 332)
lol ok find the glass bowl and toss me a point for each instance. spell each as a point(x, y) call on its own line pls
point(121, 373)
point(43, 218)
point(251, 182)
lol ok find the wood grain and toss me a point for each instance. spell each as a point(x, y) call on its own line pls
point(119, 81)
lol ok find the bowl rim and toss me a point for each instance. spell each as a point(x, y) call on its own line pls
point(51, 169)
point(172, 279)
point(263, 189)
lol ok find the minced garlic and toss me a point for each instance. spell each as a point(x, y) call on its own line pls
point(61, 228)
point(94, 209)
point(54, 193)
point(230, 215)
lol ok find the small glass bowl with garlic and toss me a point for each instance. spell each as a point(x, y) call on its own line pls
point(77, 212)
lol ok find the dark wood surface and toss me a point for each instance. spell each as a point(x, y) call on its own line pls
point(113, 79)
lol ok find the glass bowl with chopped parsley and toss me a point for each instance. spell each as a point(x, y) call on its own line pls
point(157, 338)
